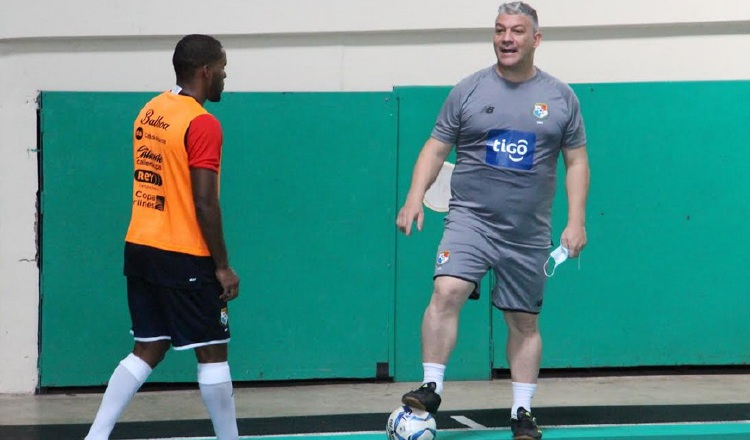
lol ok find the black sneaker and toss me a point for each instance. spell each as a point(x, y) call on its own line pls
point(424, 398)
point(524, 426)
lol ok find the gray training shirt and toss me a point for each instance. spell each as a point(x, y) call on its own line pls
point(508, 138)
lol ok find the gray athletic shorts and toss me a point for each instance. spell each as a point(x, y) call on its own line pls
point(468, 254)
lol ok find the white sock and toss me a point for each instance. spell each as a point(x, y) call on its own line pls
point(215, 383)
point(122, 386)
point(522, 394)
point(434, 373)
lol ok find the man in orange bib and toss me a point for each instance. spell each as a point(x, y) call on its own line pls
point(178, 274)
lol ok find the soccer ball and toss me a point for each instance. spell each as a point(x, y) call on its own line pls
point(406, 423)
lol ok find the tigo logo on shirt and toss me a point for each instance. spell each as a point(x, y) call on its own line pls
point(510, 149)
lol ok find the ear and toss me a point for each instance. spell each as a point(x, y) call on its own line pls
point(205, 71)
point(537, 39)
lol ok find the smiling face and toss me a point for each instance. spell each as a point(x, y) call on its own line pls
point(515, 42)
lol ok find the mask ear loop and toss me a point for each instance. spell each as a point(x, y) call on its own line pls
point(545, 267)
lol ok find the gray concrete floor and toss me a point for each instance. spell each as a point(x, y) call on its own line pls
point(273, 401)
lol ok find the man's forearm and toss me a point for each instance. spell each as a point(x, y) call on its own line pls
point(209, 220)
point(577, 186)
point(427, 168)
point(425, 172)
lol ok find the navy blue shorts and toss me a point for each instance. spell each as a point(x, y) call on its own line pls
point(189, 318)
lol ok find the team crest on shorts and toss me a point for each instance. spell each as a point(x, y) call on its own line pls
point(541, 111)
point(443, 257)
point(224, 317)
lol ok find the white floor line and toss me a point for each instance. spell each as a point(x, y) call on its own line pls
point(468, 422)
point(617, 425)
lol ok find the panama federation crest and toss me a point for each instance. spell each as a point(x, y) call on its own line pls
point(443, 257)
point(224, 317)
point(541, 111)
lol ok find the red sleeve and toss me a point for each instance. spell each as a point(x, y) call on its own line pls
point(204, 140)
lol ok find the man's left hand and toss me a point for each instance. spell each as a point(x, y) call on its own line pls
point(574, 238)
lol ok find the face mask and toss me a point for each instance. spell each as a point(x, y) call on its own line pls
point(559, 255)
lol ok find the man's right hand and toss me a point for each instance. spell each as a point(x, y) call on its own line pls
point(230, 283)
point(409, 212)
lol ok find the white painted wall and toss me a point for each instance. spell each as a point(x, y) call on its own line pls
point(296, 45)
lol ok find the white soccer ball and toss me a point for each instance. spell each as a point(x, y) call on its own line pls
point(406, 423)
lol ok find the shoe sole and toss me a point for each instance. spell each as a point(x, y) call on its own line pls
point(414, 403)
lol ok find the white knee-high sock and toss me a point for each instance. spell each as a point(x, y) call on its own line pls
point(215, 383)
point(122, 386)
point(434, 373)
point(522, 395)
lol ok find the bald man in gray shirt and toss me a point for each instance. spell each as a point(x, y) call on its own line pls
point(509, 122)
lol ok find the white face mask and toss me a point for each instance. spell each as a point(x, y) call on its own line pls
point(559, 255)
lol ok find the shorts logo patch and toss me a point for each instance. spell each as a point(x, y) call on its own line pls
point(510, 149)
point(541, 111)
point(443, 257)
point(224, 317)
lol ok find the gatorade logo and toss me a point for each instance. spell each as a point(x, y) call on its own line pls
point(510, 149)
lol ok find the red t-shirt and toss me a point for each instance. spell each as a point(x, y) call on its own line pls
point(204, 139)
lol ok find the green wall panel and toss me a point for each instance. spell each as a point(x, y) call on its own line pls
point(308, 190)
point(309, 181)
point(659, 282)
point(86, 172)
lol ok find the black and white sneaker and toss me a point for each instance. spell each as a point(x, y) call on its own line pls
point(424, 398)
point(524, 426)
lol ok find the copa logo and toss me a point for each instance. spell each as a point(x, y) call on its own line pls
point(510, 149)
point(147, 200)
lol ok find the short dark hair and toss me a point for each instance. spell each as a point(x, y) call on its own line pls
point(194, 51)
